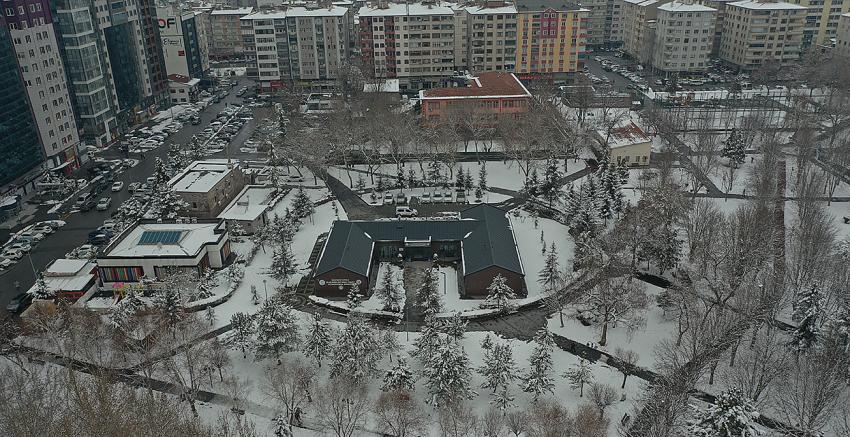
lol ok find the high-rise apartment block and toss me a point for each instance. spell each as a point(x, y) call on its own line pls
point(552, 38)
point(639, 19)
point(821, 24)
point(225, 33)
point(757, 32)
point(33, 35)
point(842, 36)
point(684, 34)
point(297, 44)
point(184, 44)
point(604, 23)
point(486, 37)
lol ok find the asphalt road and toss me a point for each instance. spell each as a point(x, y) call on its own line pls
point(22, 275)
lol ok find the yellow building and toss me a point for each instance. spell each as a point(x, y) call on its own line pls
point(551, 38)
point(822, 17)
point(627, 144)
point(842, 37)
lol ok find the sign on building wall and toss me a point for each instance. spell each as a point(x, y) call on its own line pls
point(173, 45)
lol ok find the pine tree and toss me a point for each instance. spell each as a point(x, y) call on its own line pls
point(550, 276)
point(277, 330)
point(209, 315)
point(532, 184)
point(448, 376)
point(41, 290)
point(353, 298)
point(428, 295)
point(282, 428)
point(360, 184)
point(468, 183)
point(125, 310)
point(734, 149)
point(455, 327)
point(283, 263)
point(460, 178)
point(241, 334)
point(168, 300)
point(302, 206)
point(482, 177)
point(499, 369)
point(499, 294)
point(579, 375)
point(503, 400)
point(807, 313)
point(550, 188)
point(164, 202)
point(411, 178)
point(318, 342)
point(731, 415)
point(538, 379)
point(356, 351)
point(425, 347)
point(389, 292)
point(399, 377)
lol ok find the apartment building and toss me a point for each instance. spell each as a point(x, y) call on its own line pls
point(822, 19)
point(604, 23)
point(157, 93)
point(297, 45)
point(225, 34)
point(719, 16)
point(552, 37)
point(30, 25)
point(639, 19)
point(842, 37)
point(19, 150)
point(757, 32)
point(184, 45)
point(413, 42)
point(486, 37)
point(684, 34)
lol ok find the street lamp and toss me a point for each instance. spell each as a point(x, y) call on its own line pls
point(265, 290)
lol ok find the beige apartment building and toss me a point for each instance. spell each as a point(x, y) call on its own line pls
point(411, 42)
point(225, 34)
point(719, 16)
point(822, 19)
point(208, 186)
point(486, 37)
point(757, 32)
point(684, 33)
point(639, 18)
point(842, 36)
point(604, 23)
point(306, 46)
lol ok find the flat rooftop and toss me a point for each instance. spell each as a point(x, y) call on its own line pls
point(766, 5)
point(252, 202)
point(237, 11)
point(485, 85)
point(201, 176)
point(152, 240)
point(627, 134)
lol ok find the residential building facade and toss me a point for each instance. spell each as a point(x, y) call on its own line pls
point(154, 60)
point(757, 32)
point(552, 38)
point(822, 20)
point(604, 23)
point(486, 37)
point(19, 151)
point(297, 45)
point(684, 34)
point(639, 20)
point(225, 34)
point(34, 38)
point(487, 97)
point(208, 186)
point(413, 42)
point(719, 16)
point(183, 43)
point(842, 37)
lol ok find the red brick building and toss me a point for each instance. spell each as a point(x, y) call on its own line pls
point(493, 94)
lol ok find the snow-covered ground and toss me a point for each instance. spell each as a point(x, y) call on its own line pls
point(375, 302)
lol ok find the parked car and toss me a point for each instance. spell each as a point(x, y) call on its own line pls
point(388, 199)
point(400, 199)
point(12, 254)
point(83, 199)
point(294, 178)
point(460, 197)
point(134, 186)
point(5, 263)
point(21, 246)
point(103, 204)
point(99, 239)
point(150, 180)
point(19, 303)
point(117, 186)
point(89, 205)
point(405, 211)
point(43, 229)
point(437, 197)
point(448, 215)
point(425, 198)
point(30, 236)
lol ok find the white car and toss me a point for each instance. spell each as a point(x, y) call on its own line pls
point(103, 204)
point(31, 236)
point(294, 178)
point(405, 211)
point(117, 186)
point(5, 263)
point(15, 251)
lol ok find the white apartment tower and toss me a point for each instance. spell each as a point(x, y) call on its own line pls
point(684, 34)
point(757, 32)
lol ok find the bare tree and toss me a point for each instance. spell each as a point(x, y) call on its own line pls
point(758, 366)
point(398, 413)
point(590, 424)
point(289, 384)
point(809, 394)
point(492, 423)
point(616, 300)
point(603, 396)
point(549, 419)
point(456, 419)
point(342, 406)
point(628, 362)
point(516, 421)
point(185, 367)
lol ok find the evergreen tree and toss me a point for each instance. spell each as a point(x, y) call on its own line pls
point(277, 330)
point(734, 148)
point(503, 400)
point(584, 212)
point(499, 294)
point(550, 276)
point(399, 377)
point(164, 202)
point(550, 188)
point(532, 184)
point(283, 263)
point(460, 179)
point(302, 206)
point(356, 351)
point(389, 292)
point(538, 379)
point(282, 428)
point(168, 300)
point(125, 310)
point(353, 298)
point(731, 415)
point(448, 376)
point(425, 347)
point(455, 327)
point(807, 313)
point(434, 172)
point(499, 369)
point(318, 342)
point(411, 177)
point(579, 375)
point(209, 315)
point(41, 290)
point(360, 184)
point(241, 334)
point(482, 177)
point(428, 295)
point(468, 183)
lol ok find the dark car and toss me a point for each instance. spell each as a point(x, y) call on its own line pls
point(89, 205)
point(99, 239)
point(19, 303)
point(101, 231)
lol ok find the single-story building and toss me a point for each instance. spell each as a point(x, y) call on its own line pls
point(183, 89)
point(249, 209)
point(208, 186)
point(627, 144)
point(482, 243)
point(147, 248)
point(70, 279)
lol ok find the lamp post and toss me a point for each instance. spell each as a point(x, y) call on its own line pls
point(265, 290)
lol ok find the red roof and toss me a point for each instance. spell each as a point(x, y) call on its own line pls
point(490, 84)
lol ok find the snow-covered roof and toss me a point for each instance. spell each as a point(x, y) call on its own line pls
point(333, 11)
point(201, 176)
point(65, 267)
point(252, 202)
point(642, 2)
point(765, 5)
point(685, 7)
point(78, 280)
point(237, 11)
point(626, 134)
point(400, 9)
point(484, 10)
point(165, 240)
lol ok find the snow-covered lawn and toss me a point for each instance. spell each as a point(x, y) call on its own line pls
point(530, 240)
point(375, 302)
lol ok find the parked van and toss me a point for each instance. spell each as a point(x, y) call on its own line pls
point(405, 211)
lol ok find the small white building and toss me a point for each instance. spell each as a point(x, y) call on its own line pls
point(627, 144)
point(147, 248)
point(249, 209)
point(70, 279)
point(183, 89)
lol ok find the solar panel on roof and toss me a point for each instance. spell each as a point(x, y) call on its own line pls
point(160, 237)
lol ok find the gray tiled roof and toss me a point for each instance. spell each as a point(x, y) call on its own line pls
point(484, 230)
point(541, 5)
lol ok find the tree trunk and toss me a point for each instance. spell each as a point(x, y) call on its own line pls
point(604, 338)
point(561, 316)
point(625, 375)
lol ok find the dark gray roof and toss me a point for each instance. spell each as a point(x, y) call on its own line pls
point(542, 5)
point(485, 231)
